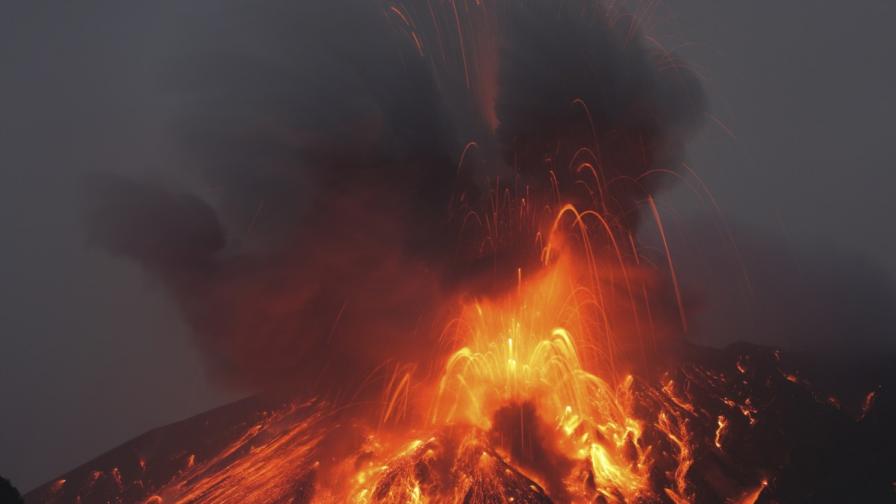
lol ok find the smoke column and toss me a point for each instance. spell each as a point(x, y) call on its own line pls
point(328, 229)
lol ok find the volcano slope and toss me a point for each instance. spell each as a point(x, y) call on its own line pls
point(758, 425)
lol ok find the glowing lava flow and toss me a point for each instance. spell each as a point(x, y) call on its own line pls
point(272, 459)
point(518, 415)
point(533, 403)
point(517, 356)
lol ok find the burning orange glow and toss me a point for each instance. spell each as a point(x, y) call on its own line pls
point(541, 393)
point(270, 459)
point(515, 353)
point(552, 347)
point(535, 401)
point(723, 424)
point(752, 496)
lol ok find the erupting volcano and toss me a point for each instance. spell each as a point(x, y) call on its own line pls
point(448, 272)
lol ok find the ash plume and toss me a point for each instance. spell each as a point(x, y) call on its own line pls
point(574, 74)
point(324, 237)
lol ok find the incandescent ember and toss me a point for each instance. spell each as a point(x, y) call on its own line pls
point(473, 322)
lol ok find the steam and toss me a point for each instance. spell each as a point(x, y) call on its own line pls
point(330, 234)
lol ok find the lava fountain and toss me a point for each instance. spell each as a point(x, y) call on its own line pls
point(557, 371)
point(534, 403)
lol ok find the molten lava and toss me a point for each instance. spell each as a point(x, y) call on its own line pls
point(530, 403)
point(564, 386)
point(522, 411)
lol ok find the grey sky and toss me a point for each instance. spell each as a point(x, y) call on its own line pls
point(94, 353)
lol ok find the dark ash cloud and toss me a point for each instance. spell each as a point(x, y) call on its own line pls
point(324, 237)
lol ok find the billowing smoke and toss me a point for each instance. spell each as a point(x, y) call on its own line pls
point(573, 75)
point(330, 231)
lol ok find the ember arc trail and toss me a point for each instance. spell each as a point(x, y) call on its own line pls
point(478, 302)
point(536, 403)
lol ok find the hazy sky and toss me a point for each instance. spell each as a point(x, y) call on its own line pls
point(93, 353)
